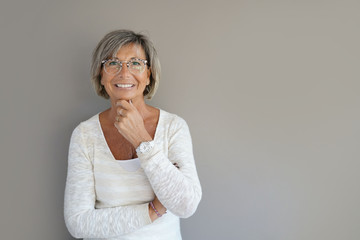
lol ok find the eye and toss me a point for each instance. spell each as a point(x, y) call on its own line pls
point(136, 63)
point(112, 63)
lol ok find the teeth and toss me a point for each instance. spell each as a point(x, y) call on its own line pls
point(124, 85)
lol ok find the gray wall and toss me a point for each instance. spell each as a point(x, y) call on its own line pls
point(270, 90)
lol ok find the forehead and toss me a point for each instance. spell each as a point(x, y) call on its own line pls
point(131, 51)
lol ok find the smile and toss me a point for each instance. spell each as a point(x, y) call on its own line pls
point(124, 85)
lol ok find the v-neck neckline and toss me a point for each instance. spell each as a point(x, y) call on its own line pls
point(106, 144)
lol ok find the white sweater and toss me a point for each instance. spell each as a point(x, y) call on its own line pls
point(104, 200)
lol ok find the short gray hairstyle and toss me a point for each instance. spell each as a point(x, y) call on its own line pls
point(108, 48)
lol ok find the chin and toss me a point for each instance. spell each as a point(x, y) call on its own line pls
point(127, 97)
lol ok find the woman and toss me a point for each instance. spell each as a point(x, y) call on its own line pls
point(131, 171)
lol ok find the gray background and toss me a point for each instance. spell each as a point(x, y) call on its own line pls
point(270, 90)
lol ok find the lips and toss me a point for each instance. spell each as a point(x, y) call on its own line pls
point(125, 85)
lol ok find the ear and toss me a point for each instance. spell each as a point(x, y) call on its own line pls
point(149, 73)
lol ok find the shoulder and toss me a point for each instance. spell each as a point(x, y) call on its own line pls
point(172, 119)
point(176, 131)
point(173, 123)
point(87, 127)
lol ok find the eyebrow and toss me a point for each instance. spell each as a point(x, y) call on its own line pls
point(130, 58)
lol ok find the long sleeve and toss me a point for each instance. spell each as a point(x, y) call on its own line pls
point(81, 217)
point(178, 190)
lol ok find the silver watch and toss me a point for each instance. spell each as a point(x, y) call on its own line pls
point(145, 147)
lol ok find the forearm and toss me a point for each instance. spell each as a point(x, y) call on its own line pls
point(106, 223)
point(178, 190)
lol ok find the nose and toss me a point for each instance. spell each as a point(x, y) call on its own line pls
point(124, 72)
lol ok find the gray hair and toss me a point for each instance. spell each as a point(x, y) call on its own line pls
point(108, 48)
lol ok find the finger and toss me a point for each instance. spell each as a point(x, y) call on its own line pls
point(120, 111)
point(116, 126)
point(123, 103)
point(128, 105)
point(132, 105)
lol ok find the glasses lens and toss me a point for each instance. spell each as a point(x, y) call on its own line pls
point(136, 66)
point(112, 67)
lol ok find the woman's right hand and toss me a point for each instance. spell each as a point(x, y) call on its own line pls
point(159, 207)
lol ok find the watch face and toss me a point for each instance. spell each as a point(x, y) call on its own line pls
point(145, 146)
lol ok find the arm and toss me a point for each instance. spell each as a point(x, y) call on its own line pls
point(81, 217)
point(178, 190)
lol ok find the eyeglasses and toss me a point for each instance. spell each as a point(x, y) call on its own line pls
point(114, 66)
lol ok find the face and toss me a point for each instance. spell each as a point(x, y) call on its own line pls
point(125, 85)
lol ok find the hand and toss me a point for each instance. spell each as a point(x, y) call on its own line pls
point(159, 207)
point(130, 123)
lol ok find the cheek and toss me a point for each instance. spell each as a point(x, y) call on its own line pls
point(105, 79)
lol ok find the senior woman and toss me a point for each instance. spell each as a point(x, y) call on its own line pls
point(131, 170)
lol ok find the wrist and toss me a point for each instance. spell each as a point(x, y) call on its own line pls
point(141, 139)
point(145, 147)
point(152, 213)
point(155, 210)
point(159, 207)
